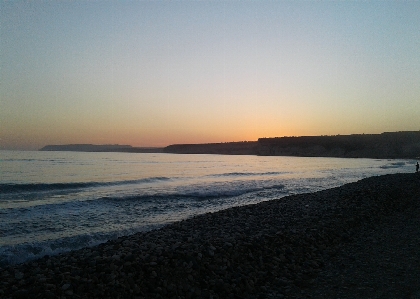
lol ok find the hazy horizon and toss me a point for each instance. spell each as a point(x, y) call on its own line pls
point(151, 74)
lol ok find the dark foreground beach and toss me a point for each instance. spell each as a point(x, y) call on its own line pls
point(361, 240)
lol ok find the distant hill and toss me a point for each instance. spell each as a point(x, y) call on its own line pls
point(388, 145)
point(101, 148)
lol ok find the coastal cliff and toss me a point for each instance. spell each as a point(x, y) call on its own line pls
point(390, 145)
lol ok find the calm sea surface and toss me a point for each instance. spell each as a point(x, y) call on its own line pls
point(52, 202)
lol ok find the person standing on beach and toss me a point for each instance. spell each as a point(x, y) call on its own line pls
point(417, 167)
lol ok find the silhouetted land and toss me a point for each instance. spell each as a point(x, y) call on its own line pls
point(385, 145)
point(389, 145)
point(228, 148)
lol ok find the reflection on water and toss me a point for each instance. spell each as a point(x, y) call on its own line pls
point(58, 201)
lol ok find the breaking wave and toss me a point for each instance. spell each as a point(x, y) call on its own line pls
point(15, 188)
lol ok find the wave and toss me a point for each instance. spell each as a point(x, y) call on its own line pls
point(16, 188)
point(202, 194)
point(20, 253)
point(240, 174)
point(18, 160)
point(393, 165)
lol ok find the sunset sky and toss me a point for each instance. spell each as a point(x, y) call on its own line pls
point(154, 73)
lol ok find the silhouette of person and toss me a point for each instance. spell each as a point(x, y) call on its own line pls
point(417, 167)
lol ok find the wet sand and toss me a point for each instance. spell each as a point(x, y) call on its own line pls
point(329, 244)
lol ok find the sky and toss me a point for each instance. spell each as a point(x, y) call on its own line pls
point(155, 73)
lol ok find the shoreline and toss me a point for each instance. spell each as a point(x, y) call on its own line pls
point(274, 249)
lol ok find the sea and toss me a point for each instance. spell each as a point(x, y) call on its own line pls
point(54, 202)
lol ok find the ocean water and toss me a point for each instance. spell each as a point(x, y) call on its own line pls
point(52, 202)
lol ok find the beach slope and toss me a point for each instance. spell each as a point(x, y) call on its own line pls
point(318, 245)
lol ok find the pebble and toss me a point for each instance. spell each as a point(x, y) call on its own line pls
point(65, 286)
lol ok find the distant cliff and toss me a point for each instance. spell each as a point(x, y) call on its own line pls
point(101, 148)
point(386, 145)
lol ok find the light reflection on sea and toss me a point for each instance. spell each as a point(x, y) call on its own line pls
point(52, 202)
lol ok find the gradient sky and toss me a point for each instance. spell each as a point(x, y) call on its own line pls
point(154, 73)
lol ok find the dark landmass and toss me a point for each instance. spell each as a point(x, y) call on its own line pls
point(390, 145)
point(386, 145)
point(228, 148)
point(360, 240)
point(101, 148)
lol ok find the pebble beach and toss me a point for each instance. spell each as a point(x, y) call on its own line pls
point(294, 247)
